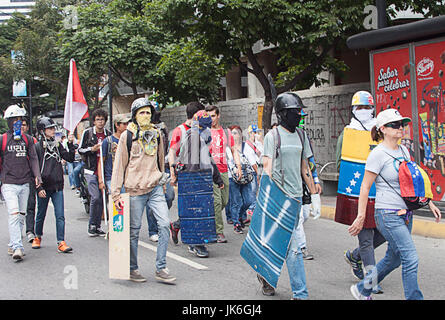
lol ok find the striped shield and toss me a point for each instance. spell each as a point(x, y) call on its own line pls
point(265, 247)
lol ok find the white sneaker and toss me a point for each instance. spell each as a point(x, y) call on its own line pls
point(30, 237)
point(154, 238)
point(18, 255)
point(357, 295)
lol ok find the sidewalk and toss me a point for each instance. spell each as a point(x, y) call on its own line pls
point(422, 226)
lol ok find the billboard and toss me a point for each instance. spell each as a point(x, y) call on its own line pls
point(410, 78)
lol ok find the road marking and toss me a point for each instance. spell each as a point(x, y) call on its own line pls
point(176, 257)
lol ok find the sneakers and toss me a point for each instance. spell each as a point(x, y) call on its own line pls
point(356, 266)
point(199, 251)
point(17, 255)
point(92, 231)
point(174, 232)
point(154, 238)
point(220, 238)
point(266, 288)
point(164, 276)
point(100, 232)
point(377, 290)
point(238, 229)
point(10, 251)
point(306, 255)
point(357, 295)
point(30, 236)
point(136, 276)
point(63, 248)
point(36, 243)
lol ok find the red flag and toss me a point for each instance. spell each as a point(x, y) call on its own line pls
point(76, 107)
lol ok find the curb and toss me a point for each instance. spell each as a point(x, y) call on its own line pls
point(421, 226)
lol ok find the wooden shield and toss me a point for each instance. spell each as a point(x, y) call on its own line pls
point(119, 240)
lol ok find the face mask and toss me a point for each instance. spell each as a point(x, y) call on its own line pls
point(364, 115)
point(17, 128)
point(144, 120)
point(290, 119)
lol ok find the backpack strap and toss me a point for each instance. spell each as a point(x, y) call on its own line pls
point(129, 142)
point(276, 153)
point(4, 141)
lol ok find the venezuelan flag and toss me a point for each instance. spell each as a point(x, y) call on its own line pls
point(414, 181)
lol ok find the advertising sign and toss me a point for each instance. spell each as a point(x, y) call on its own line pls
point(430, 85)
point(392, 86)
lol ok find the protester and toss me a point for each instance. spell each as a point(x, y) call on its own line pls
point(253, 151)
point(89, 149)
point(19, 164)
point(109, 147)
point(221, 139)
point(288, 171)
point(363, 119)
point(311, 202)
point(50, 153)
point(393, 218)
point(169, 192)
point(72, 165)
point(31, 208)
point(176, 142)
point(139, 167)
point(242, 192)
point(195, 161)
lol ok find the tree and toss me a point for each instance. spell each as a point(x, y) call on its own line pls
point(302, 33)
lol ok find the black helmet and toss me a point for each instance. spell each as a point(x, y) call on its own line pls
point(288, 100)
point(45, 123)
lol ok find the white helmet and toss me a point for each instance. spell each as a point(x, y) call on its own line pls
point(14, 111)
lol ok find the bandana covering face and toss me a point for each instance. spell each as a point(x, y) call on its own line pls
point(148, 134)
point(363, 119)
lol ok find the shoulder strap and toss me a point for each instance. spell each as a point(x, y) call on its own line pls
point(276, 153)
point(4, 141)
point(129, 142)
point(302, 139)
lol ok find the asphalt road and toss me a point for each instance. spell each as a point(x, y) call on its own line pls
point(83, 274)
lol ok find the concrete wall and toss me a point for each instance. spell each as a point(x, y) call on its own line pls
point(328, 112)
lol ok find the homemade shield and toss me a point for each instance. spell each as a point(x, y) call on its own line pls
point(195, 207)
point(356, 147)
point(119, 240)
point(266, 245)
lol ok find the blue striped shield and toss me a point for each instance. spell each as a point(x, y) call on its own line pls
point(265, 247)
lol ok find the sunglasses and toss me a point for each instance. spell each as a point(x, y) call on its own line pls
point(395, 125)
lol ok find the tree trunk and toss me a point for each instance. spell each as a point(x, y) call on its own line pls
point(267, 111)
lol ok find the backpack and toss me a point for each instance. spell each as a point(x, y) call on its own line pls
point(4, 141)
point(415, 185)
point(248, 172)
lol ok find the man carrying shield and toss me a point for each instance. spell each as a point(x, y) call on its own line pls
point(271, 241)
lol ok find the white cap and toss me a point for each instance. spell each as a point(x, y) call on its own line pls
point(390, 115)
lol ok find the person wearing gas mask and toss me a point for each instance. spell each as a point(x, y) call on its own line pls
point(139, 167)
point(19, 163)
point(363, 119)
point(286, 152)
point(51, 153)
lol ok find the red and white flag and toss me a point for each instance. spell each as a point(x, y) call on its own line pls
point(76, 107)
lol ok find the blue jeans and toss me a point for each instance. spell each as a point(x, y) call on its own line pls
point(77, 167)
point(401, 250)
point(16, 198)
point(254, 185)
point(241, 197)
point(42, 206)
point(70, 168)
point(295, 264)
point(155, 199)
point(151, 220)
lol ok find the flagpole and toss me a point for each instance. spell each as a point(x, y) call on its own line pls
point(103, 190)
